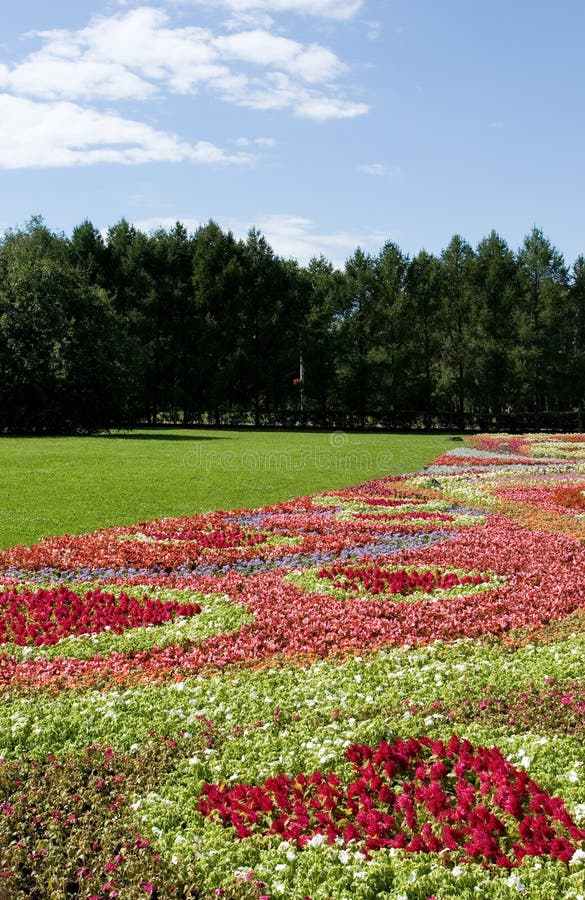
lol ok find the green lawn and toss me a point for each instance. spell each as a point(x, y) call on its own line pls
point(77, 484)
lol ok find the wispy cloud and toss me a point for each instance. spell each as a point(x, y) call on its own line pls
point(378, 169)
point(37, 134)
point(265, 142)
point(298, 237)
point(327, 9)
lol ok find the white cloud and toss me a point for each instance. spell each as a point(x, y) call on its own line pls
point(277, 90)
point(122, 56)
point(248, 20)
point(137, 54)
point(288, 235)
point(313, 63)
point(54, 78)
point(259, 142)
point(378, 169)
point(329, 9)
point(322, 108)
point(373, 169)
point(64, 134)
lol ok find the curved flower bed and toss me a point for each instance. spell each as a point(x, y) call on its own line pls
point(374, 692)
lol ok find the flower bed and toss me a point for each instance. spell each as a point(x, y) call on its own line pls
point(374, 692)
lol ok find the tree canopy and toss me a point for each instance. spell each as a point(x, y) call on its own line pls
point(99, 332)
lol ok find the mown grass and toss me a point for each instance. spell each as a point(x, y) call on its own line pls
point(77, 484)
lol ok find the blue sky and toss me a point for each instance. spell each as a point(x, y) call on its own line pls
point(328, 124)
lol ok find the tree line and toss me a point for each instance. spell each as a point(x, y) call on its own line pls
point(99, 332)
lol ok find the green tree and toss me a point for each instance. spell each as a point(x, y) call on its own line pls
point(389, 350)
point(544, 327)
point(34, 332)
point(215, 327)
point(362, 294)
point(264, 371)
point(457, 308)
point(87, 252)
point(495, 295)
point(320, 342)
point(58, 357)
point(423, 311)
point(173, 331)
point(576, 367)
point(131, 283)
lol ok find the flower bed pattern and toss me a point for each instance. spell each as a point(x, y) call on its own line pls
point(412, 646)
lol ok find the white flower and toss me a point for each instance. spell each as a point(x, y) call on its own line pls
point(457, 871)
point(290, 855)
point(514, 881)
point(317, 840)
point(579, 812)
point(243, 872)
point(577, 857)
point(343, 857)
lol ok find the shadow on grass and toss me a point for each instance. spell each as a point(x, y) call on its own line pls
point(157, 436)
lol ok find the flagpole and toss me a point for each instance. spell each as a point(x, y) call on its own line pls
point(302, 379)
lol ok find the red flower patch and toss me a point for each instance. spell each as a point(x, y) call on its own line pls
point(379, 580)
point(219, 539)
point(418, 795)
point(46, 616)
point(404, 516)
point(482, 462)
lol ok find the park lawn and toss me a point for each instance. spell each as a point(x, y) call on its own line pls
point(58, 485)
